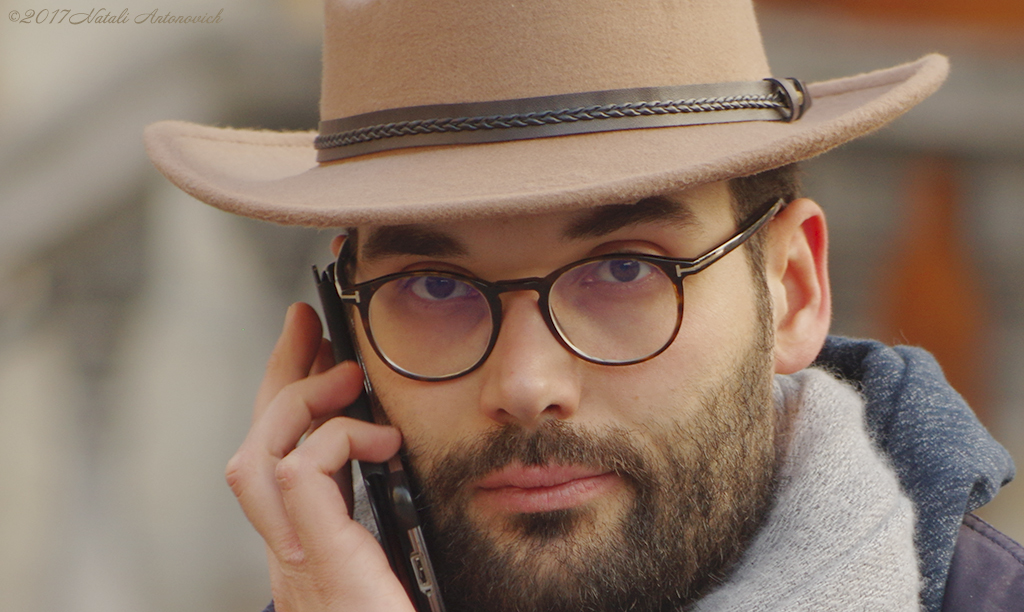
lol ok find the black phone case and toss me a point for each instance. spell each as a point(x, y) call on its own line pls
point(387, 485)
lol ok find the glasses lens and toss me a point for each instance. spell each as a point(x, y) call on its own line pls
point(615, 310)
point(430, 324)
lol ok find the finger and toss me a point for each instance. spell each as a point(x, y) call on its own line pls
point(324, 361)
point(324, 358)
point(293, 410)
point(293, 355)
point(250, 472)
point(252, 480)
point(340, 440)
point(309, 491)
point(343, 478)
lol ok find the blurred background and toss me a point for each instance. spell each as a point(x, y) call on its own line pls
point(135, 322)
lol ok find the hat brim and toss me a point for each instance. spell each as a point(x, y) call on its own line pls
point(274, 176)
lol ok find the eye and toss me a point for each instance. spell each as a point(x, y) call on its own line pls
point(621, 271)
point(437, 288)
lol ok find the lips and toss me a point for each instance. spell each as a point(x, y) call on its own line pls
point(527, 489)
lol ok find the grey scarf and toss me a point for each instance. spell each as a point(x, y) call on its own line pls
point(840, 536)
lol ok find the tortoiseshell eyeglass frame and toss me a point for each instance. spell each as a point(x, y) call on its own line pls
point(360, 294)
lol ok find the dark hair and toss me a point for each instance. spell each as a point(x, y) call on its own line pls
point(749, 195)
point(352, 244)
point(752, 193)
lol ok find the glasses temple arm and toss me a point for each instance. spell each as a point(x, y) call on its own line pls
point(729, 245)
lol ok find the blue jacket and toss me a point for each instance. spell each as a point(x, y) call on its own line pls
point(948, 464)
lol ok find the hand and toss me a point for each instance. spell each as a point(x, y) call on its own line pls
point(320, 559)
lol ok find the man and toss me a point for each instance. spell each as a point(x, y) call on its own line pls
point(588, 296)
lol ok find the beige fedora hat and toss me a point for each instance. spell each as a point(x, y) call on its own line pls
point(434, 110)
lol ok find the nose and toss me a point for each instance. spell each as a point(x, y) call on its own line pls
point(529, 377)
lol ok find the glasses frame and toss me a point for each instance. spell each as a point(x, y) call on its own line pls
point(360, 294)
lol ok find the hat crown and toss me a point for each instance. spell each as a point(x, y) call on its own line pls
point(384, 54)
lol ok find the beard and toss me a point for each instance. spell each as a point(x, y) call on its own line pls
point(698, 491)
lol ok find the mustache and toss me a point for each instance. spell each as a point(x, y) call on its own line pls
point(553, 443)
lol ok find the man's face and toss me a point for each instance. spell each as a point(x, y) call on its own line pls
point(553, 483)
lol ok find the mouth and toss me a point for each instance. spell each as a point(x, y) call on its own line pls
point(520, 489)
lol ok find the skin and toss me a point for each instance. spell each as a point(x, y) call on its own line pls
point(320, 559)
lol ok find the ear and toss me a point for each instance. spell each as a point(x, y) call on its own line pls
point(337, 243)
point(796, 263)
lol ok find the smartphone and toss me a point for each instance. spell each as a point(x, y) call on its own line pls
point(387, 485)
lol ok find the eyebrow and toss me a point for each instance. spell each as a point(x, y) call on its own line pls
point(604, 220)
point(411, 239)
point(426, 241)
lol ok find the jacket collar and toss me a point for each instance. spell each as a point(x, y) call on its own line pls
point(946, 460)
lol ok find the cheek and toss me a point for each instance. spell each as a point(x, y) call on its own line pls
point(719, 306)
point(430, 416)
point(718, 327)
point(427, 413)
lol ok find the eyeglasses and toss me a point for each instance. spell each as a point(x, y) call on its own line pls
point(615, 309)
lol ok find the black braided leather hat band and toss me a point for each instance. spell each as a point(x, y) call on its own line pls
point(601, 111)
